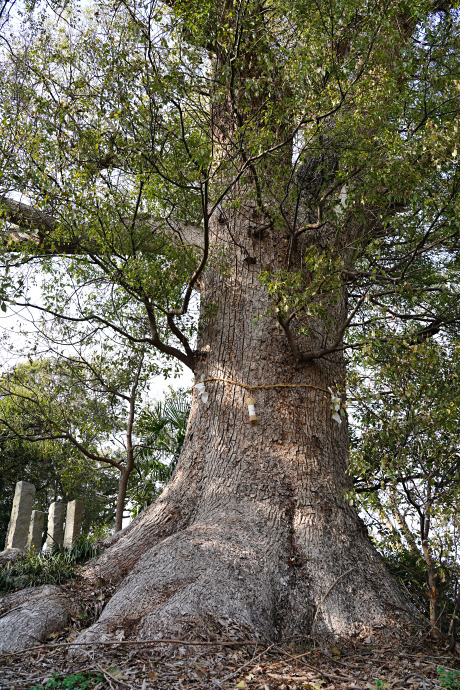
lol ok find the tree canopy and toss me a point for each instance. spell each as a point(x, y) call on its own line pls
point(110, 130)
point(297, 164)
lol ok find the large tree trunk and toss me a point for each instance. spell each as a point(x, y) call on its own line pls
point(255, 529)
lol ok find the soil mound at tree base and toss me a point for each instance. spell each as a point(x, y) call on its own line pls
point(289, 666)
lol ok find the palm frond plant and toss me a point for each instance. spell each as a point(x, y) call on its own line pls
point(161, 432)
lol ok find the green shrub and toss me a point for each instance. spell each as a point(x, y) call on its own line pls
point(55, 568)
point(449, 679)
point(410, 572)
point(77, 681)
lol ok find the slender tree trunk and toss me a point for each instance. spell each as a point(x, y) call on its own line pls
point(128, 468)
point(121, 498)
point(432, 588)
point(402, 524)
point(453, 624)
point(431, 569)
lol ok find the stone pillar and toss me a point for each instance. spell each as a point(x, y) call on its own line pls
point(55, 525)
point(18, 529)
point(35, 538)
point(72, 522)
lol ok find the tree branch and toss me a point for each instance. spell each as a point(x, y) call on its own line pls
point(29, 219)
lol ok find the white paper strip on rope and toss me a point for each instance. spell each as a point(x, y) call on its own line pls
point(336, 402)
point(252, 410)
point(203, 393)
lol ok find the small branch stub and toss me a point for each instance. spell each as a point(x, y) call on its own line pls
point(252, 410)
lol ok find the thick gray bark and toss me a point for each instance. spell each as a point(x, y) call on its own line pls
point(255, 529)
point(28, 616)
point(269, 540)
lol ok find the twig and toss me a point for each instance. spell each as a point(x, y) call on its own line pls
point(327, 594)
point(5, 613)
point(312, 668)
point(108, 676)
point(331, 658)
point(306, 679)
point(298, 679)
point(293, 658)
point(217, 643)
point(329, 676)
point(248, 663)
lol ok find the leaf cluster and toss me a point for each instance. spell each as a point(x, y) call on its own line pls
point(55, 568)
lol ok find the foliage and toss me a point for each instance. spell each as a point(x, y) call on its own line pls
point(449, 679)
point(411, 572)
point(407, 421)
point(360, 96)
point(67, 399)
point(53, 568)
point(76, 681)
point(161, 429)
point(406, 461)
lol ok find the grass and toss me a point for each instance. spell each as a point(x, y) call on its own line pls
point(449, 679)
point(55, 568)
point(76, 681)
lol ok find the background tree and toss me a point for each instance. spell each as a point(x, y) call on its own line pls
point(314, 149)
point(57, 473)
point(87, 402)
point(407, 459)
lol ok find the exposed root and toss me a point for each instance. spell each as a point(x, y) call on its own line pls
point(195, 580)
point(234, 575)
point(170, 513)
point(30, 615)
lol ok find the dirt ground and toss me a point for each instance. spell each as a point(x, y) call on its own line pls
point(248, 665)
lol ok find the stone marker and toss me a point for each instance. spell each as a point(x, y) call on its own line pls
point(18, 529)
point(35, 538)
point(72, 522)
point(10, 555)
point(55, 525)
